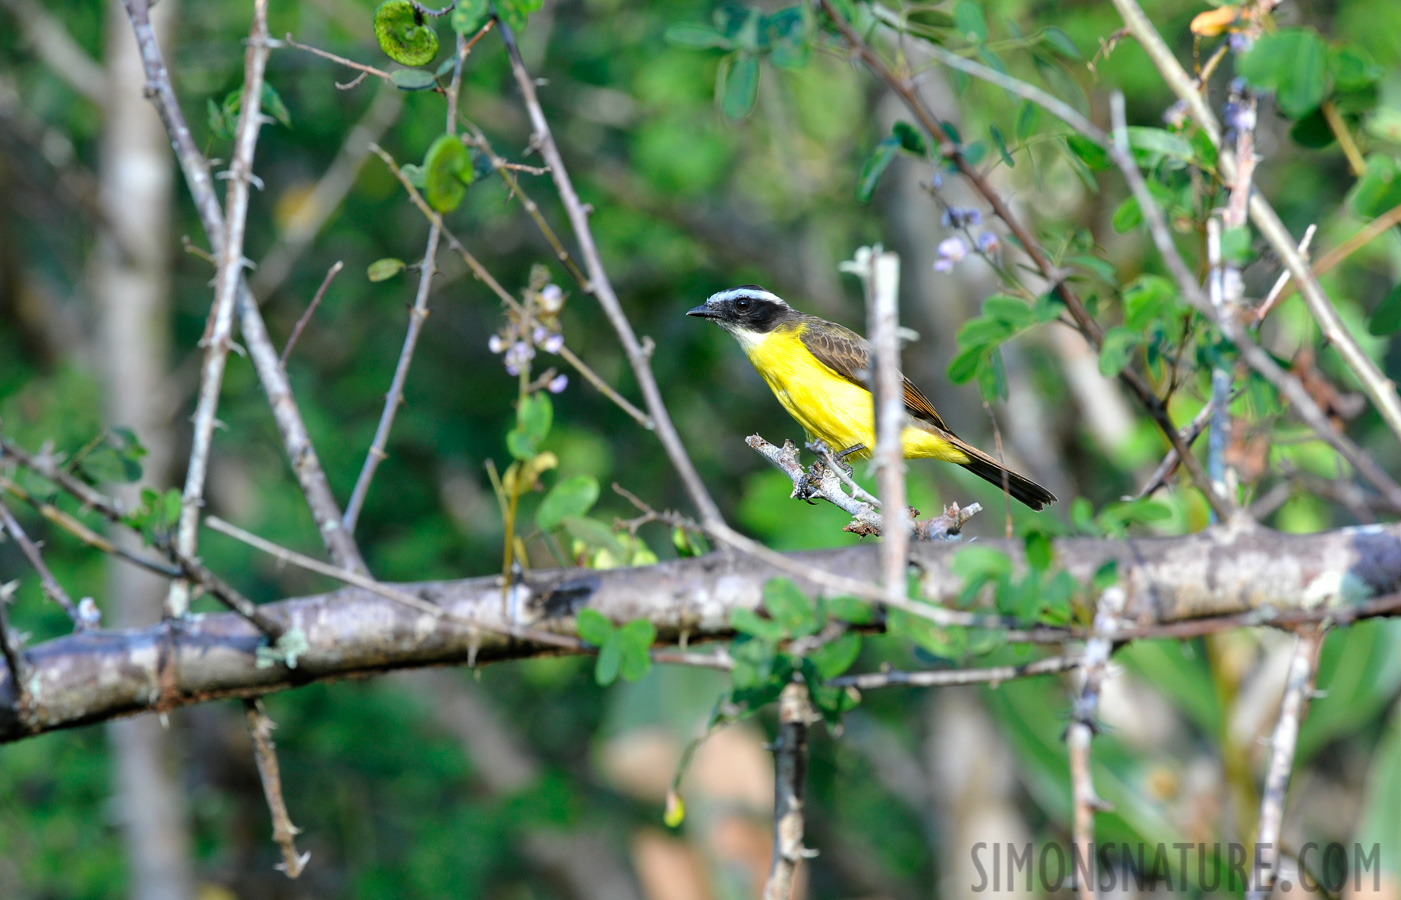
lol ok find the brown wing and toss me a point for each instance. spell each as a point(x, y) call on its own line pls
point(847, 353)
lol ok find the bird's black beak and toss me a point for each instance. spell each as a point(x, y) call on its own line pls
point(703, 312)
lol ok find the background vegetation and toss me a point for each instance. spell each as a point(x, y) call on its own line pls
point(529, 780)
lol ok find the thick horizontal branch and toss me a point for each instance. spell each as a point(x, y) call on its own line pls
point(98, 675)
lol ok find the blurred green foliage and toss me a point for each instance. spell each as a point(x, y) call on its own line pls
point(716, 147)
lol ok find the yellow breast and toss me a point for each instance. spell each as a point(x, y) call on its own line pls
point(828, 406)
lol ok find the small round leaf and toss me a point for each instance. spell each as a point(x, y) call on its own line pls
point(403, 34)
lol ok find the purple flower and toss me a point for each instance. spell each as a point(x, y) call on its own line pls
point(1239, 42)
point(551, 298)
point(956, 217)
point(951, 251)
point(538, 334)
point(554, 343)
point(558, 384)
point(937, 181)
point(988, 242)
point(512, 369)
point(495, 344)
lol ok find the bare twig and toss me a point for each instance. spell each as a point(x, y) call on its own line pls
point(348, 63)
point(1328, 261)
point(186, 566)
point(1277, 293)
point(84, 533)
point(602, 289)
point(418, 314)
point(219, 331)
point(331, 273)
point(993, 675)
point(790, 751)
point(1080, 733)
point(16, 663)
point(1298, 690)
point(1378, 387)
point(284, 833)
point(1170, 459)
point(1092, 331)
point(52, 589)
point(481, 273)
point(295, 438)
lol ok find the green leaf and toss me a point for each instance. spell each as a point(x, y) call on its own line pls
point(983, 332)
point(747, 621)
point(835, 657)
point(447, 172)
point(1106, 576)
point(875, 165)
point(992, 377)
point(701, 37)
point(787, 34)
point(1146, 298)
point(1148, 144)
point(789, 606)
point(515, 12)
point(384, 269)
point(272, 105)
point(593, 626)
point(1090, 153)
point(1128, 216)
point(974, 152)
point(850, 609)
point(974, 563)
point(534, 415)
point(520, 446)
point(1015, 312)
point(1379, 188)
point(970, 22)
point(467, 15)
point(739, 87)
point(1387, 317)
point(687, 544)
point(1114, 352)
point(910, 138)
point(1292, 62)
point(1354, 69)
point(1039, 552)
point(1060, 42)
point(1000, 143)
point(1028, 117)
point(964, 367)
point(635, 643)
point(413, 79)
point(569, 497)
point(404, 35)
point(595, 534)
point(610, 662)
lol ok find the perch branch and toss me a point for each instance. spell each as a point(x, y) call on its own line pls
point(790, 752)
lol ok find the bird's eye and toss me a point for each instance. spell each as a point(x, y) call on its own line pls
point(742, 304)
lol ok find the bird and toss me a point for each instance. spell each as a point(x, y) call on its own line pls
point(821, 372)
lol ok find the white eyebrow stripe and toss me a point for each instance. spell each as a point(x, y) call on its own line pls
point(732, 293)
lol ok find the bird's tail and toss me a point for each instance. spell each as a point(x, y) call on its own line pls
point(1019, 486)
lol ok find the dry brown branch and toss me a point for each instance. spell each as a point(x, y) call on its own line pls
point(790, 753)
point(305, 317)
point(284, 833)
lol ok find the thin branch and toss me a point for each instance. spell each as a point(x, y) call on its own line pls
point(418, 314)
point(348, 63)
point(186, 566)
point(1330, 260)
point(933, 126)
point(306, 466)
point(602, 289)
point(331, 273)
point(16, 665)
point(1165, 468)
point(993, 675)
point(219, 331)
point(1277, 293)
point(481, 273)
point(284, 833)
point(1081, 732)
point(84, 533)
point(1380, 389)
point(1298, 689)
point(790, 751)
point(52, 589)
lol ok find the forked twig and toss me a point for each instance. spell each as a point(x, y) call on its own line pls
point(284, 833)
